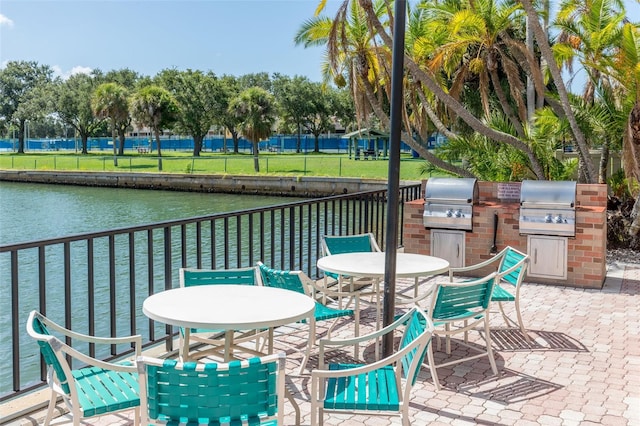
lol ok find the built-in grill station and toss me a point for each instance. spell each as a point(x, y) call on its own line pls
point(449, 203)
point(548, 208)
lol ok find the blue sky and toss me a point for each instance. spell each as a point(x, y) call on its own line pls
point(224, 36)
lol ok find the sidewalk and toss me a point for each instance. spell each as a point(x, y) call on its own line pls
point(582, 367)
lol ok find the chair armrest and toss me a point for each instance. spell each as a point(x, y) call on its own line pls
point(405, 300)
point(487, 262)
point(363, 338)
point(321, 373)
point(330, 291)
point(94, 339)
point(56, 344)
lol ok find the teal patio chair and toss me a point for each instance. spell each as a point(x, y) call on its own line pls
point(97, 388)
point(249, 392)
point(338, 244)
point(215, 338)
point(458, 308)
point(298, 281)
point(511, 265)
point(382, 387)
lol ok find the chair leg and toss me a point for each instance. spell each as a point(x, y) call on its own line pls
point(520, 323)
point(356, 317)
point(432, 367)
point(506, 319)
point(52, 405)
point(447, 327)
point(310, 342)
point(136, 413)
point(314, 402)
point(487, 333)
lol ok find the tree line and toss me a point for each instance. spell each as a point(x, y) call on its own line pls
point(189, 102)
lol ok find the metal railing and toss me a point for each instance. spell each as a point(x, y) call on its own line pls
point(96, 283)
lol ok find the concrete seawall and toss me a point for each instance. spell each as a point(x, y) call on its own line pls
point(261, 185)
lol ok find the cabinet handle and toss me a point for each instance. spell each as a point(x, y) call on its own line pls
point(458, 246)
point(535, 256)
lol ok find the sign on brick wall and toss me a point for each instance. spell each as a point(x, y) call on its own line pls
point(509, 190)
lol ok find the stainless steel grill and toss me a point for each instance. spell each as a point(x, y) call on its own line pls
point(449, 203)
point(548, 208)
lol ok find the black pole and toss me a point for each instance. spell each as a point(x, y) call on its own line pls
point(393, 184)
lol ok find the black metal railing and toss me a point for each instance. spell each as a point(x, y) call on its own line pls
point(95, 283)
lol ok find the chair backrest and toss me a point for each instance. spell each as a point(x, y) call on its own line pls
point(337, 244)
point(49, 348)
point(418, 325)
point(513, 266)
point(196, 393)
point(288, 280)
point(461, 300)
point(243, 276)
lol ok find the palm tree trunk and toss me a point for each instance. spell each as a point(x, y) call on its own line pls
point(604, 162)
point(433, 116)
point(504, 102)
point(634, 228)
point(157, 134)
point(256, 162)
point(121, 137)
point(115, 145)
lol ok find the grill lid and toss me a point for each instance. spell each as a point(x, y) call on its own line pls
point(548, 208)
point(449, 203)
point(548, 194)
point(451, 190)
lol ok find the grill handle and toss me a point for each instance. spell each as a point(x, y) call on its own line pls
point(531, 205)
point(449, 200)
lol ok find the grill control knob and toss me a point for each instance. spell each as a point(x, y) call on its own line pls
point(548, 218)
point(558, 219)
point(458, 213)
point(449, 213)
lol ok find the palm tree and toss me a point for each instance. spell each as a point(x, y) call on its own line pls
point(156, 108)
point(553, 68)
point(590, 33)
point(477, 49)
point(110, 100)
point(256, 109)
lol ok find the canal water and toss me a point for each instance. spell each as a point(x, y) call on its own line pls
point(31, 212)
point(38, 211)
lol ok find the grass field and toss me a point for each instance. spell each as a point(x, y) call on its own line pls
point(338, 165)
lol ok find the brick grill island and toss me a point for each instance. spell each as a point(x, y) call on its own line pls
point(584, 255)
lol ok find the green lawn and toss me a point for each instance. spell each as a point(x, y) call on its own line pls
point(338, 165)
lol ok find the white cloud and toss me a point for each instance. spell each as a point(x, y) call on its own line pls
point(58, 72)
point(5, 21)
point(80, 70)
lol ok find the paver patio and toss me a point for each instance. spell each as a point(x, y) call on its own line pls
point(582, 366)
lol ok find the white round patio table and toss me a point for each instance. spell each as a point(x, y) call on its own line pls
point(372, 264)
point(229, 308)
